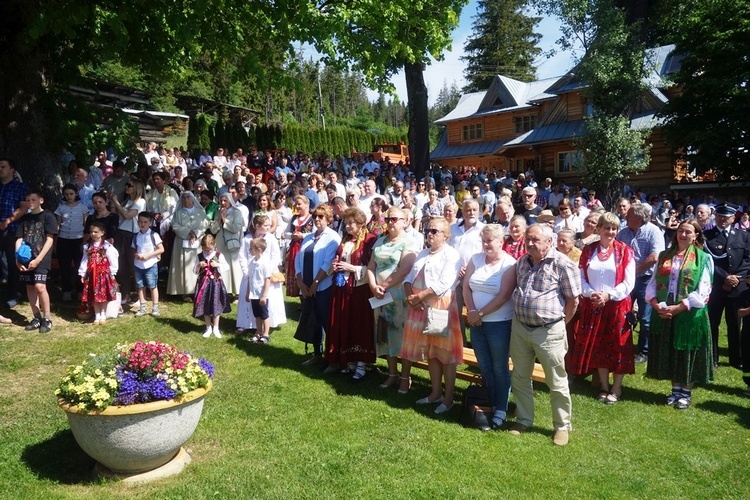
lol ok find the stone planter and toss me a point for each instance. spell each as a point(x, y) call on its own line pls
point(134, 439)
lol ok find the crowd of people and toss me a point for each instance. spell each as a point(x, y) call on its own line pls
point(389, 265)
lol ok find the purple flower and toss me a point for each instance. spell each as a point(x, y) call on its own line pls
point(207, 367)
point(134, 391)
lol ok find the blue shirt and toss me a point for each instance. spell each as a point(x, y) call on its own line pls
point(11, 194)
point(646, 240)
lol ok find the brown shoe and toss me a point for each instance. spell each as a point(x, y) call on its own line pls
point(517, 429)
point(561, 437)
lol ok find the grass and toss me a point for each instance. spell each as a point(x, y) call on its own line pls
point(272, 429)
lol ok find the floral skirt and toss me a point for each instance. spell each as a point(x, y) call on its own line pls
point(417, 346)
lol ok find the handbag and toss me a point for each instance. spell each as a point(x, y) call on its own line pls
point(476, 410)
point(232, 244)
point(278, 277)
point(381, 330)
point(437, 322)
point(308, 323)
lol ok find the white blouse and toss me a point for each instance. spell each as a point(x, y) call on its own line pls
point(485, 284)
point(697, 298)
point(602, 277)
point(440, 269)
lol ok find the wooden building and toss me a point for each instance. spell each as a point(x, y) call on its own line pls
point(519, 126)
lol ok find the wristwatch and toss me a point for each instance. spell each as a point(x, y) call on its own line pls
point(481, 314)
point(317, 282)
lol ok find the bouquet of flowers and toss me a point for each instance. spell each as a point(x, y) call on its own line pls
point(133, 374)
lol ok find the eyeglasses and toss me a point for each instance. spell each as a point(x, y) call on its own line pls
point(392, 220)
point(128, 185)
point(319, 216)
point(351, 196)
point(433, 231)
point(528, 196)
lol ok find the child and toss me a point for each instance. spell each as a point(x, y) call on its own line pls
point(37, 229)
point(97, 271)
point(210, 292)
point(71, 218)
point(259, 271)
point(148, 247)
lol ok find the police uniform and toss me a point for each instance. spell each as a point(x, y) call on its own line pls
point(730, 250)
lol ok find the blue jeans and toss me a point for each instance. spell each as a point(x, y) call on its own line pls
point(491, 343)
point(644, 313)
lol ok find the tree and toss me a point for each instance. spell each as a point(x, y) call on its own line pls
point(613, 70)
point(708, 120)
point(503, 41)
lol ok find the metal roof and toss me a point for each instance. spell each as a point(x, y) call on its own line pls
point(443, 150)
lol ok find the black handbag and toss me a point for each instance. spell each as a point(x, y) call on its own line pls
point(308, 322)
point(476, 411)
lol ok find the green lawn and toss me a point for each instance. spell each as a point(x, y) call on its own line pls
point(272, 429)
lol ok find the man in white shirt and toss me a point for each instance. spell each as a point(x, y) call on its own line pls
point(466, 239)
point(151, 153)
point(369, 195)
point(334, 180)
point(220, 160)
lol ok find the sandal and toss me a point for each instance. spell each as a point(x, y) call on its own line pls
point(263, 339)
point(254, 339)
point(392, 379)
point(612, 398)
point(349, 369)
point(359, 373)
point(602, 396)
point(408, 386)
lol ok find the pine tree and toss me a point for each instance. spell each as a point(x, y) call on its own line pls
point(503, 42)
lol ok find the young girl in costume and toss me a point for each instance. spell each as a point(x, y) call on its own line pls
point(98, 268)
point(210, 293)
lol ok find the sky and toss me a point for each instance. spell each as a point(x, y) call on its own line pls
point(451, 68)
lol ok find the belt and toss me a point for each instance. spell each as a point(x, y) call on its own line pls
point(544, 325)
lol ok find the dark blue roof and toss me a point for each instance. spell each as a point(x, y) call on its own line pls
point(443, 150)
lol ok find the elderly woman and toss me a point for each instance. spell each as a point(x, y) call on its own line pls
point(431, 284)
point(376, 225)
point(589, 234)
point(449, 213)
point(313, 264)
point(433, 208)
point(604, 338)
point(392, 258)
point(229, 228)
point(189, 224)
point(514, 244)
point(350, 341)
point(681, 349)
point(488, 286)
point(135, 203)
point(261, 228)
point(300, 225)
point(352, 197)
point(566, 244)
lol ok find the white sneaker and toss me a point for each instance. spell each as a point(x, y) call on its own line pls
point(141, 312)
point(208, 332)
point(217, 333)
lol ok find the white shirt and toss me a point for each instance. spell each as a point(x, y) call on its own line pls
point(602, 276)
point(467, 242)
point(258, 271)
point(440, 269)
point(143, 244)
point(72, 220)
point(485, 285)
point(572, 222)
point(112, 256)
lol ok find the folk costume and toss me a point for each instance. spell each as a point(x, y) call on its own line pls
point(681, 348)
point(98, 267)
point(210, 292)
point(604, 338)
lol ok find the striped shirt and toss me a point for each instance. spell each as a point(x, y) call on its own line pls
point(541, 291)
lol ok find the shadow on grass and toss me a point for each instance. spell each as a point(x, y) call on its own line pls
point(60, 459)
point(742, 414)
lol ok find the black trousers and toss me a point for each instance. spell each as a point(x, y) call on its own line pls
point(8, 241)
point(720, 304)
point(69, 255)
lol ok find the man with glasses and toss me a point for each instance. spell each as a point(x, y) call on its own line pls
point(530, 209)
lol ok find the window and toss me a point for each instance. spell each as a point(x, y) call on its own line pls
point(473, 132)
point(524, 123)
point(569, 162)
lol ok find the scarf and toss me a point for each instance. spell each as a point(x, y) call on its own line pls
point(690, 328)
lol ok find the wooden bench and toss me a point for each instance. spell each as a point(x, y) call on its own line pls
point(470, 360)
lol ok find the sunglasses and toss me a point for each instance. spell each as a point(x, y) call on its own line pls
point(319, 216)
point(433, 231)
point(392, 220)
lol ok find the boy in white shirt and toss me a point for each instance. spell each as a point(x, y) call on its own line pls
point(148, 246)
point(259, 271)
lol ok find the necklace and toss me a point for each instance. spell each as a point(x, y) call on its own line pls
point(604, 254)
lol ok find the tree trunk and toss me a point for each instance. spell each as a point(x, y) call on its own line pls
point(25, 131)
point(419, 126)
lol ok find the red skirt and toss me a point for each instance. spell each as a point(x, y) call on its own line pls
point(291, 274)
point(351, 336)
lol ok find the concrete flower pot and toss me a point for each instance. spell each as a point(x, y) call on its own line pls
point(134, 439)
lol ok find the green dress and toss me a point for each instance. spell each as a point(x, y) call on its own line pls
point(387, 255)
